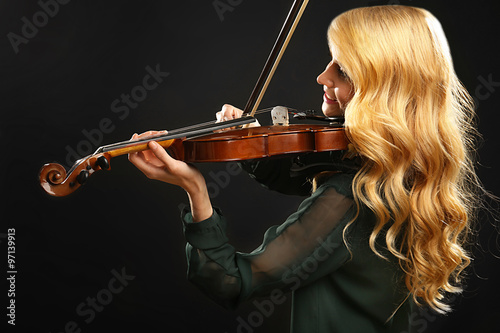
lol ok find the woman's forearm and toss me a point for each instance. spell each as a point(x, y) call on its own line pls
point(201, 207)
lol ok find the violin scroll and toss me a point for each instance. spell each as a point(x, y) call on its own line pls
point(57, 182)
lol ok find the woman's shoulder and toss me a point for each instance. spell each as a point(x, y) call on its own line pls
point(340, 181)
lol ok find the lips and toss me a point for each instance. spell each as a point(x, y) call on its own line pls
point(329, 100)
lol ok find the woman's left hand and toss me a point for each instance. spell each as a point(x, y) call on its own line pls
point(157, 164)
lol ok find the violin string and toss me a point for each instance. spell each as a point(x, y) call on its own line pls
point(197, 131)
point(210, 122)
point(185, 129)
point(270, 109)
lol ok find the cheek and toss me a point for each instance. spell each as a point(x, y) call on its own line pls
point(344, 93)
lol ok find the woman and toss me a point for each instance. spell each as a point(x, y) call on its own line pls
point(372, 241)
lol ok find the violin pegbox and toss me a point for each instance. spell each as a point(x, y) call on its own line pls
point(57, 182)
point(279, 114)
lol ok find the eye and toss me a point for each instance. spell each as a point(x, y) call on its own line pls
point(341, 72)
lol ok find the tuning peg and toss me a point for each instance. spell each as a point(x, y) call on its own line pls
point(82, 177)
point(103, 163)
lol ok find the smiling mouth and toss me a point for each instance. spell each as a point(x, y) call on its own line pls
point(328, 99)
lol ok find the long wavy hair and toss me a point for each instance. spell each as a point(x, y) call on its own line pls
point(411, 120)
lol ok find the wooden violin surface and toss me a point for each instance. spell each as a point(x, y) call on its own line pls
point(265, 141)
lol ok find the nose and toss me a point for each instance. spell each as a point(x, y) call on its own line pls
point(323, 78)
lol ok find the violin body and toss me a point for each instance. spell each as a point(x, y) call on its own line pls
point(262, 142)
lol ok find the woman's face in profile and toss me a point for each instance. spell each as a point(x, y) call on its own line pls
point(337, 88)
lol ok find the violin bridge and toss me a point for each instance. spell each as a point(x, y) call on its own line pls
point(279, 114)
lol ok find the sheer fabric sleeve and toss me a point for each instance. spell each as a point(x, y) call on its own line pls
point(306, 247)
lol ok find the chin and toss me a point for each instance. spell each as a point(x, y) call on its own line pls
point(332, 111)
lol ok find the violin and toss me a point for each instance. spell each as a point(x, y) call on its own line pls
point(208, 142)
point(199, 143)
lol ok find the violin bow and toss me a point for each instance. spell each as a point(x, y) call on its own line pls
point(274, 58)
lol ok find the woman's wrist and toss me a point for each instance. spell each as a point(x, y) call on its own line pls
point(199, 200)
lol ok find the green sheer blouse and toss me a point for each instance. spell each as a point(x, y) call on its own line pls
point(336, 288)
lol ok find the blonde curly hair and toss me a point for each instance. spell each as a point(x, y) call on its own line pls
point(411, 120)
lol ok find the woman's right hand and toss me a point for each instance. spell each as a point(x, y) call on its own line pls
point(229, 112)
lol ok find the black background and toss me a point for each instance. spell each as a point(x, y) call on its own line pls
point(63, 81)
